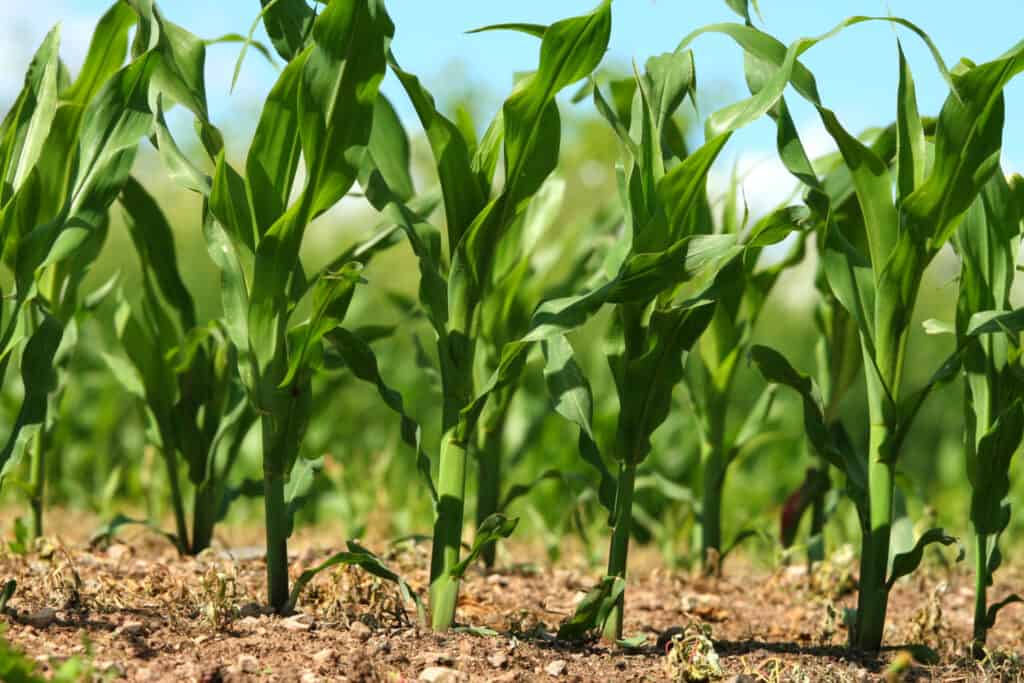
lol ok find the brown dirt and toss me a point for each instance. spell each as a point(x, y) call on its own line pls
point(144, 614)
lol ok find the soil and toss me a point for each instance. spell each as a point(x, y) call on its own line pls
point(139, 612)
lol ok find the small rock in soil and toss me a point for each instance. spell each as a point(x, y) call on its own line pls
point(360, 631)
point(557, 667)
point(325, 657)
point(498, 660)
point(248, 664)
point(118, 551)
point(441, 674)
point(42, 618)
point(300, 622)
point(309, 677)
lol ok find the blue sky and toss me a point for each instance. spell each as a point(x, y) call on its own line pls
point(856, 71)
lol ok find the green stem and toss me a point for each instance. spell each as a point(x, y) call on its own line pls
point(204, 514)
point(451, 491)
point(874, 594)
point(711, 512)
point(980, 595)
point(37, 482)
point(489, 456)
point(177, 502)
point(619, 550)
point(277, 540)
point(277, 521)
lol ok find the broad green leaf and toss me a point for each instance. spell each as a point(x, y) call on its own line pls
point(464, 194)
point(289, 24)
point(535, 30)
point(39, 378)
point(593, 610)
point(107, 50)
point(911, 155)
point(905, 563)
point(573, 400)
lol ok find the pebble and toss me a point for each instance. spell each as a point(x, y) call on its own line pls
point(360, 631)
point(248, 664)
point(130, 628)
point(437, 658)
point(300, 622)
point(441, 674)
point(42, 618)
point(118, 551)
point(498, 660)
point(557, 667)
point(309, 677)
point(325, 657)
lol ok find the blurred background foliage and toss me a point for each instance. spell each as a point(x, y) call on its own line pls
point(368, 482)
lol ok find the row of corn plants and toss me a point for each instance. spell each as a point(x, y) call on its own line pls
point(509, 290)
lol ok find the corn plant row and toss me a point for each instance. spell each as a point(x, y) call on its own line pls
point(506, 286)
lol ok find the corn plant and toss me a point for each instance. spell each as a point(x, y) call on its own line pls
point(660, 291)
point(879, 286)
point(988, 243)
point(742, 292)
point(454, 286)
point(66, 149)
point(184, 373)
point(320, 109)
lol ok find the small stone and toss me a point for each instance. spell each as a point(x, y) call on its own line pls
point(248, 664)
point(441, 674)
point(131, 628)
point(557, 667)
point(497, 580)
point(309, 677)
point(249, 622)
point(437, 659)
point(360, 631)
point(325, 657)
point(42, 618)
point(507, 677)
point(119, 551)
point(300, 622)
point(498, 660)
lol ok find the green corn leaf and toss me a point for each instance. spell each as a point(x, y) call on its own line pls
point(775, 368)
point(912, 153)
point(573, 400)
point(274, 153)
point(39, 377)
point(289, 24)
point(463, 190)
point(645, 380)
point(154, 242)
point(361, 360)
point(593, 610)
point(906, 563)
point(968, 139)
point(492, 529)
point(390, 148)
point(106, 54)
point(995, 608)
point(991, 469)
point(331, 296)
point(535, 30)
point(34, 114)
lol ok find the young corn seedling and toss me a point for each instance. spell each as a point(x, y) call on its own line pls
point(659, 287)
point(903, 231)
point(741, 295)
point(988, 243)
point(454, 286)
point(322, 110)
point(66, 149)
point(184, 373)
